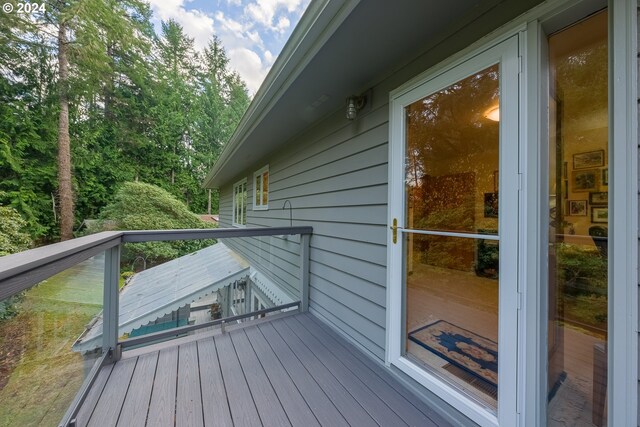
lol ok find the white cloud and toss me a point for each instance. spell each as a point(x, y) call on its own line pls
point(283, 24)
point(249, 65)
point(249, 33)
point(196, 23)
point(268, 57)
point(229, 23)
point(264, 11)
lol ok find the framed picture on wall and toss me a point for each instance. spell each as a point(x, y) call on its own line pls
point(590, 159)
point(491, 205)
point(599, 198)
point(599, 214)
point(585, 180)
point(577, 208)
point(605, 176)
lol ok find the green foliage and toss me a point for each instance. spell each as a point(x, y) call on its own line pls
point(143, 106)
point(582, 277)
point(12, 236)
point(12, 240)
point(140, 206)
point(582, 269)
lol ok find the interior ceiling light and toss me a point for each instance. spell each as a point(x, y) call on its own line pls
point(493, 113)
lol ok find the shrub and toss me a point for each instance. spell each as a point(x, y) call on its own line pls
point(12, 239)
point(140, 206)
point(12, 236)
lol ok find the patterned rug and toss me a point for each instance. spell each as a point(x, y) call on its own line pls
point(460, 347)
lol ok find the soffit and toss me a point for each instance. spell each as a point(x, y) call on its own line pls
point(374, 39)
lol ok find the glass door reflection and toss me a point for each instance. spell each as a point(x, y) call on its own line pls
point(451, 247)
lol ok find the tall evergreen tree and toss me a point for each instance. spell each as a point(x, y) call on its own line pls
point(91, 80)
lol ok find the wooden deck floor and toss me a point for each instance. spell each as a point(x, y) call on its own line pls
point(290, 371)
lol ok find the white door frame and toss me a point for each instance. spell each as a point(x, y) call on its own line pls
point(505, 54)
point(623, 342)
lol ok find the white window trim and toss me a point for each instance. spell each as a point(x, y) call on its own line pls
point(257, 205)
point(234, 221)
point(623, 193)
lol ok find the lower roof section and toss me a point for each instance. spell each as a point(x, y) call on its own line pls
point(160, 290)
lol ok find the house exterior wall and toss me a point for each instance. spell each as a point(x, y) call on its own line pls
point(335, 176)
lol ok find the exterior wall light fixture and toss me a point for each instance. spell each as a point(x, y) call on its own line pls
point(355, 104)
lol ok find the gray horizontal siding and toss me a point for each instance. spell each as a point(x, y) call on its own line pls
point(335, 176)
point(336, 180)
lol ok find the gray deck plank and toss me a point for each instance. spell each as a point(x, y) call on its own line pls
point(94, 394)
point(374, 406)
point(341, 396)
point(367, 372)
point(387, 377)
point(292, 371)
point(136, 404)
point(163, 396)
point(108, 408)
point(214, 396)
point(292, 401)
point(243, 408)
point(266, 401)
point(324, 410)
point(189, 397)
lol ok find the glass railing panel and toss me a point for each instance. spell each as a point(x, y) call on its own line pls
point(41, 370)
point(204, 280)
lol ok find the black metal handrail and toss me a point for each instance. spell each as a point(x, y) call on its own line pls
point(172, 333)
point(25, 269)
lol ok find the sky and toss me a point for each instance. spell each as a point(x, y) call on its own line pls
point(253, 32)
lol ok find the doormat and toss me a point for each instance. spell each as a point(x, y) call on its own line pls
point(460, 347)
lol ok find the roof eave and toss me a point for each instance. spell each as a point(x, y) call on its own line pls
point(321, 19)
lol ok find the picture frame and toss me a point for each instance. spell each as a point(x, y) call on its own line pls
point(576, 208)
point(588, 159)
point(585, 180)
point(599, 198)
point(599, 215)
point(605, 177)
point(491, 205)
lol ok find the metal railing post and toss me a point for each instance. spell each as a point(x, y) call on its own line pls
point(247, 296)
point(111, 303)
point(304, 272)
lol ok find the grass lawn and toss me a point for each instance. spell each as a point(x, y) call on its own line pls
point(39, 373)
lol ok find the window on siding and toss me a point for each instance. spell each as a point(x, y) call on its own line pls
point(261, 189)
point(240, 203)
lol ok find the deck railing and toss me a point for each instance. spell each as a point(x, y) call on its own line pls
point(22, 271)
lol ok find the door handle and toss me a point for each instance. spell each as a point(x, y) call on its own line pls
point(394, 229)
